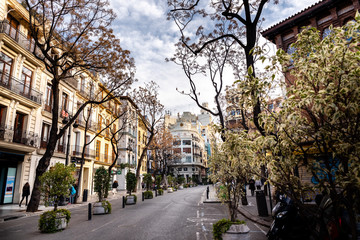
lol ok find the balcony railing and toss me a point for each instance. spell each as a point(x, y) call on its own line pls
point(19, 87)
point(77, 151)
point(26, 138)
point(6, 132)
point(19, 37)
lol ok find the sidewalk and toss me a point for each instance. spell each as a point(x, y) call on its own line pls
point(249, 211)
point(13, 211)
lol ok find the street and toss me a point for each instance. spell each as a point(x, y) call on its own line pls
point(178, 215)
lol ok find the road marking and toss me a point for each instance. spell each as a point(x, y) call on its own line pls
point(197, 236)
point(101, 226)
point(167, 206)
point(260, 229)
point(197, 213)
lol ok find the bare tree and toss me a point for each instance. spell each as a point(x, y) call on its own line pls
point(74, 38)
point(152, 112)
point(233, 32)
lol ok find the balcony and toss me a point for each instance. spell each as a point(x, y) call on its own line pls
point(20, 38)
point(26, 138)
point(77, 151)
point(17, 86)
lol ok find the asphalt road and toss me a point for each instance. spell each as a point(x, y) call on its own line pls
point(178, 215)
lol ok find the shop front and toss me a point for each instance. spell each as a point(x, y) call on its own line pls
point(10, 168)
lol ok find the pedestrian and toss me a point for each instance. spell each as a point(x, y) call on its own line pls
point(258, 184)
point(25, 193)
point(72, 194)
point(252, 186)
point(114, 187)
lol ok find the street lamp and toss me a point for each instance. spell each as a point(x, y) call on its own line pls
point(75, 125)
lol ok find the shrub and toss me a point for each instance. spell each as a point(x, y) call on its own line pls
point(148, 194)
point(101, 183)
point(56, 183)
point(222, 226)
point(48, 223)
point(158, 180)
point(107, 206)
point(161, 192)
point(148, 180)
point(130, 182)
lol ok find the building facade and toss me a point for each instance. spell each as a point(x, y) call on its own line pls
point(189, 144)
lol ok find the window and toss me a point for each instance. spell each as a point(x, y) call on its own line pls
point(177, 142)
point(188, 159)
point(64, 104)
point(232, 113)
point(186, 142)
point(97, 150)
point(26, 76)
point(106, 152)
point(193, 169)
point(107, 131)
point(326, 32)
point(100, 120)
point(18, 127)
point(48, 98)
point(45, 135)
point(177, 150)
point(179, 169)
point(14, 26)
point(291, 50)
point(185, 168)
point(82, 84)
point(31, 43)
point(186, 150)
point(237, 111)
point(5, 69)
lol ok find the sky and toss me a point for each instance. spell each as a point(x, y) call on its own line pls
point(143, 29)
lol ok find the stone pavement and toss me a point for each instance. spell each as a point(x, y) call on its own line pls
point(13, 211)
point(249, 211)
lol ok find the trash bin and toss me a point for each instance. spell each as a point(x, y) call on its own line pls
point(85, 195)
point(261, 203)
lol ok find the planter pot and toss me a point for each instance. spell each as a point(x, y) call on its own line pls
point(181, 188)
point(170, 190)
point(60, 222)
point(99, 209)
point(130, 200)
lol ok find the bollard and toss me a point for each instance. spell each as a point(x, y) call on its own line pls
point(123, 201)
point(89, 211)
point(142, 195)
point(207, 193)
point(155, 193)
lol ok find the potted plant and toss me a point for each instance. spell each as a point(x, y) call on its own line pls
point(158, 180)
point(180, 181)
point(55, 183)
point(170, 182)
point(148, 181)
point(224, 225)
point(101, 187)
point(130, 187)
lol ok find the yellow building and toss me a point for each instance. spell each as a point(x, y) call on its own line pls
point(142, 138)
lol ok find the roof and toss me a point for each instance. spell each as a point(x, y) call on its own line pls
point(297, 18)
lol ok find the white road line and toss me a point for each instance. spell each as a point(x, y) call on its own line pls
point(260, 229)
point(101, 226)
point(197, 236)
point(197, 213)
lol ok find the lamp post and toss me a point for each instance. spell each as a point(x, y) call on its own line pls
point(75, 125)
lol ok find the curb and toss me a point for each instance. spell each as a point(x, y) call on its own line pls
point(253, 218)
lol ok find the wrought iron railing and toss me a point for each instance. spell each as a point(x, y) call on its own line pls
point(20, 38)
point(19, 87)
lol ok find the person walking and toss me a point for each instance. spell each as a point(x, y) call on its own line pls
point(114, 187)
point(72, 194)
point(252, 186)
point(25, 193)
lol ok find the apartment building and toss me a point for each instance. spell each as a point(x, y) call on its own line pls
point(190, 145)
point(26, 113)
